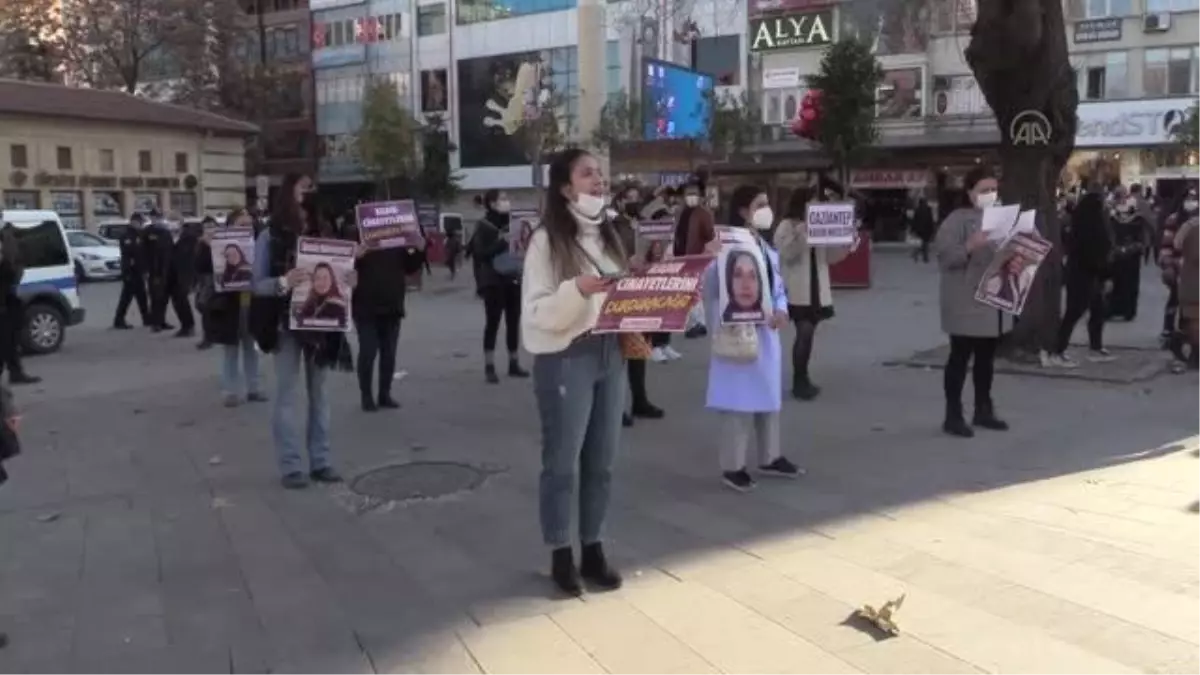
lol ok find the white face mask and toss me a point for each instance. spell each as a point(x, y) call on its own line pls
point(1189, 205)
point(502, 206)
point(588, 205)
point(986, 200)
point(763, 218)
point(691, 200)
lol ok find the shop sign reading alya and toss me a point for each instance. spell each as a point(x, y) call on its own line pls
point(791, 31)
point(1130, 123)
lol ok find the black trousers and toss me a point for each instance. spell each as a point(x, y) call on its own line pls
point(1084, 294)
point(160, 297)
point(502, 300)
point(182, 306)
point(660, 339)
point(377, 337)
point(637, 383)
point(132, 288)
point(1171, 311)
point(11, 318)
point(802, 350)
point(962, 350)
point(1127, 281)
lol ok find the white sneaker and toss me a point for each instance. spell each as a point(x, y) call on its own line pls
point(671, 353)
point(1056, 360)
point(1101, 356)
point(657, 355)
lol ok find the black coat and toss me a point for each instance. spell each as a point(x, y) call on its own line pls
point(157, 251)
point(183, 260)
point(488, 241)
point(133, 254)
point(11, 268)
point(224, 310)
point(382, 278)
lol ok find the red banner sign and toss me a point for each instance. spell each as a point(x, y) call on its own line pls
point(655, 299)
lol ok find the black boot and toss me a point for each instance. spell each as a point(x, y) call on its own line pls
point(563, 572)
point(368, 402)
point(515, 369)
point(626, 420)
point(955, 425)
point(489, 374)
point(647, 410)
point(803, 388)
point(386, 401)
point(985, 417)
point(594, 568)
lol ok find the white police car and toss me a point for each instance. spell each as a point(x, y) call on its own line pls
point(48, 289)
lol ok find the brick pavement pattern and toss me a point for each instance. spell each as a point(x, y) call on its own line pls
point(144, 530)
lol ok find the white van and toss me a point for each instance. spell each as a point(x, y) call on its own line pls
point(48, 288)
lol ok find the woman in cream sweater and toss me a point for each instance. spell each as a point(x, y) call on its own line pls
point(579, 377)
point(810, 297)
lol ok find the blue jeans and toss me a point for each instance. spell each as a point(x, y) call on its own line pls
point(231, 378)
point(286, 423)
point(580, 394)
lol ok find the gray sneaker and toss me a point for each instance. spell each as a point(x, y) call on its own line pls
point(1101, 356)
point(232, 400)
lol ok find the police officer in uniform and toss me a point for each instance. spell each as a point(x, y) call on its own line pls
point(12, 309)
point(157, 248)
point(133, 275)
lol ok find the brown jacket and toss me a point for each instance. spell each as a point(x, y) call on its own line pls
point(1187, 242)
point(701, 229)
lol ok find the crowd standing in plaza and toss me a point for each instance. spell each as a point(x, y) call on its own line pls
point(589, 384)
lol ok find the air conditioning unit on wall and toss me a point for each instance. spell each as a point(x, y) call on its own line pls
point(1156, 23)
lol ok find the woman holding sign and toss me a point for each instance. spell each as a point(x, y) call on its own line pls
point(276, 275)
point(964, 252)
point(806, 272)
point(578, 376)
point(227, 312)
point(744, 382)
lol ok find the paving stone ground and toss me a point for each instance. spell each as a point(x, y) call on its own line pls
point(143, 530)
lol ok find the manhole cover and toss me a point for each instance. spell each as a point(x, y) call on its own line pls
point(419, 480)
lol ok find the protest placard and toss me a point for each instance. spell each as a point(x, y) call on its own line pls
point(745, 293)
point(1006, 281)
point(655, 239)
point(654, 299)
point(388, 224)
point(428, 217)
point(232, 250)
point(322, 301)
point(521, 224)
point(831, 223)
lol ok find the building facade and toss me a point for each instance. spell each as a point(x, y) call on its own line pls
point(279, 33)
point(459, 61)
point(1136, 61)
point(96, 155)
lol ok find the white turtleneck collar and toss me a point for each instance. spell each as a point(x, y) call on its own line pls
point(587, 224)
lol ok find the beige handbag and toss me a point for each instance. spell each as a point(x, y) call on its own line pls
point(736, 342)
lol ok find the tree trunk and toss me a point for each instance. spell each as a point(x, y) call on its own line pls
point(1018, 53)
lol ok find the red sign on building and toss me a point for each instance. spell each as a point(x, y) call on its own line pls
point(758, 7)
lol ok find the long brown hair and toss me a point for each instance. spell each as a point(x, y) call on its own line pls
point(562, 230)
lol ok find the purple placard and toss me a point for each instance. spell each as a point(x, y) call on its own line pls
point(388, 224)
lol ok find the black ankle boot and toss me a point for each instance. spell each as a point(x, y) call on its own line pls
point(594, 568)
point(954, 424)
point(803, 389)
point(985, 417)
point(563, 572)
point(489, 374)
point(368, 402)
point(515, 369)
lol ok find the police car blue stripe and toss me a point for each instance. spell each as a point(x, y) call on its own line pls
point(61, 283)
